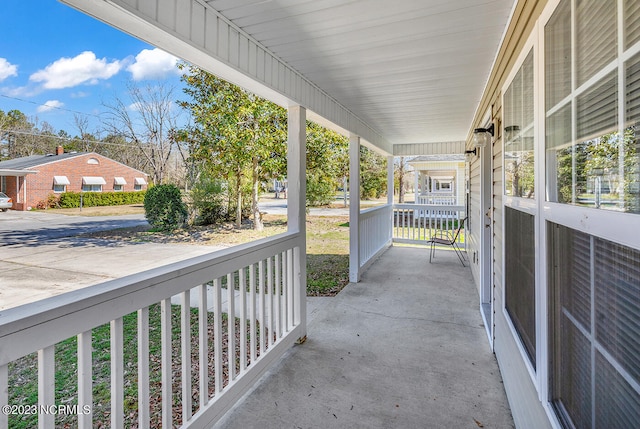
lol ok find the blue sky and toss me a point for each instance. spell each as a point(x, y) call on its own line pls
point(56, 62)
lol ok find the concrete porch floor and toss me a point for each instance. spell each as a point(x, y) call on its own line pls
point(404, 348)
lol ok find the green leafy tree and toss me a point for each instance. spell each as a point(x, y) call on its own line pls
point(373, 174)
point(239, 136)
point(327, 163)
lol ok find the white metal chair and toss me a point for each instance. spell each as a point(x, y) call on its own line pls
point(446, 238)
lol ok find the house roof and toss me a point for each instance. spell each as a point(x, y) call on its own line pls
point(15, 166)
point(36, 160)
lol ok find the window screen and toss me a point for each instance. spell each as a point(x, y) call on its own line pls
point(595, 368)
point(520, 296)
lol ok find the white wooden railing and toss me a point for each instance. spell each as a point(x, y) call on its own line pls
point(184, 372)
point(375, 233)
point(437, 199)
point(416, 223)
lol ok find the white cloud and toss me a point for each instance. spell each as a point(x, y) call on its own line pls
point(81, 69)
point(153, 64)
point(7, 69)
point(50, 105)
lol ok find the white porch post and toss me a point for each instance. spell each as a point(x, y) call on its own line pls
point(296, 207)
point(416, 177)
point(354, 208)
point(390, 177)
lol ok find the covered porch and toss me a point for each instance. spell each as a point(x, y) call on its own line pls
point(404, 348)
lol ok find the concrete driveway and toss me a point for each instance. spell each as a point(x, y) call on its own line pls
point(41, 254)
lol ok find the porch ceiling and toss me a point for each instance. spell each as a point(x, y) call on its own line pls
point(414, 70)
point(402, 72)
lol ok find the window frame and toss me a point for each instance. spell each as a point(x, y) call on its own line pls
point(529, 206)
point(618, 227)
point(90, 188)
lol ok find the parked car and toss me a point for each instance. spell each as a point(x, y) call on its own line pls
point(5, 202)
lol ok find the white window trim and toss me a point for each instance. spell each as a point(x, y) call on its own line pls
point(610, 225)
point(530, 206)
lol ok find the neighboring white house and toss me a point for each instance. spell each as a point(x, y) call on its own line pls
point(440, 179)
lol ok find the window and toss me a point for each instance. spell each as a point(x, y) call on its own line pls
point(519, 133)
point(138, 183)
point(118, 184)
point(93, 184)
point(593, 158)
point(91, 188)
point(594, 297)
point(93, 161)
point(60, 184)
point(520, 280)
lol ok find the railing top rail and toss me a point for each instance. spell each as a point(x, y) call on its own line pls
point(78, 311)
point(412, 206)
point(373, 210)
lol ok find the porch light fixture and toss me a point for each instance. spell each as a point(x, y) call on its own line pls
point(480, 138)
point(468, 153)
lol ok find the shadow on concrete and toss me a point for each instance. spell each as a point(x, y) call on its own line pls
point(66, 233)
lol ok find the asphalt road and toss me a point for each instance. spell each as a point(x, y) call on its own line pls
point(18, 227)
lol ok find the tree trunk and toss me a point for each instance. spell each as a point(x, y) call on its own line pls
point(257, 216)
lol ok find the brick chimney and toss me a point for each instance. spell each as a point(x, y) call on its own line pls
point(59, 150)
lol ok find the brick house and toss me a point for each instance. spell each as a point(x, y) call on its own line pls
point(30, 180)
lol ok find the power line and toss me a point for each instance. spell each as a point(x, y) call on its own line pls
point(72, 139)
point(50, 106)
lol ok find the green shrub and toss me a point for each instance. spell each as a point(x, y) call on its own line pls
point(94, 199)
point(208, 202)
point(164, 208)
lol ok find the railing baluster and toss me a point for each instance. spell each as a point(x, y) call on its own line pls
point(46, 385)
point(4, 395)
point(252, 312)
point(167, 371)
point(85, 388)
point(143, 368)
point(277, 298)
point(185, 348)
point(231, 326)
point(261, 309)
point(285, 293)
point(242, 288)
point(203, 345)
point(117, 374)
point(270, 295)
point(217, 335)
point(290, 287)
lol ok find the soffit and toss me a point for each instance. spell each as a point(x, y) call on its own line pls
point(414, 70)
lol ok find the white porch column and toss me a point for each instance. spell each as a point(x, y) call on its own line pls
point(416, 177)
point(296, 207)
point(390, 177)
point(354, 208)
